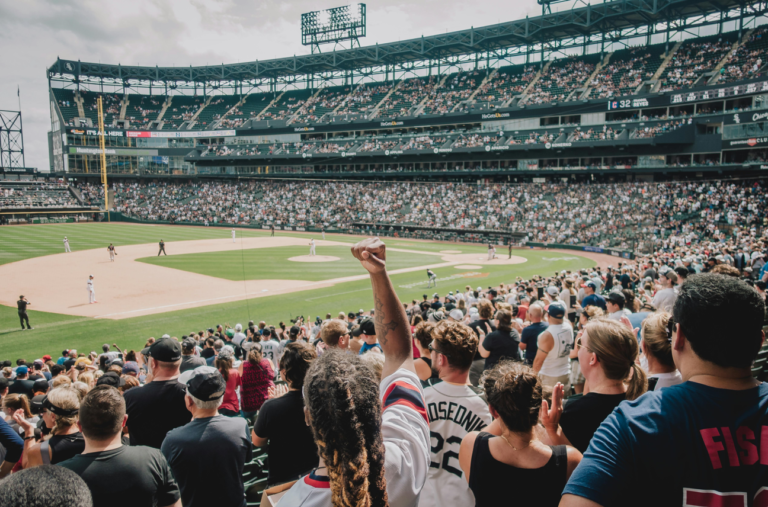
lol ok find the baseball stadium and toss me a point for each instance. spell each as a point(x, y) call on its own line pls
point(595, 162)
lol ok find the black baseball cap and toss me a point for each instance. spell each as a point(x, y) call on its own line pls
point(295, 330)
point(111, 378)
point(4, 383)
point(616, 298)
point(204, 383)
point(165, 349)
point(40, 385)
point(36, 404)
point(366, 327)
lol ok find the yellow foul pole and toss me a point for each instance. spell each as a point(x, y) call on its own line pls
point(102, 149)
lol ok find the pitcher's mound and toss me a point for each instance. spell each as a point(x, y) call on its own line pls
point(314, 258)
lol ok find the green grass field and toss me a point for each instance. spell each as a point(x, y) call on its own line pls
point(55, 332)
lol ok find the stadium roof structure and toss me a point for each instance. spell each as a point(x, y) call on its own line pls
point(578, 27)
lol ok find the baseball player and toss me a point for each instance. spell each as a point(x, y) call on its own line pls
point(490, 251)
point(323, 231)
point(510, 248)
point(91, 291)
point(22, 304)
point(112, 252)
point(162, 249)
point(66, 245)
point(272, 229)
point(233, 235)
point(432, 278)
point(312, 247)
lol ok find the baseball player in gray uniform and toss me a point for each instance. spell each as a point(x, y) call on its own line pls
point(233, 235)
point(112, 252)
point(91, 291)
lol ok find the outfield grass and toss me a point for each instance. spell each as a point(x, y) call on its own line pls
point(273, 263)
point(54, 332)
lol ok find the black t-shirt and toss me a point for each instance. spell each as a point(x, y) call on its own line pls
point(437, 305)
point(22, 305)
point(474, 325)
point(69, 363)
point(206, 353)
point(212, 450)
point(154, 410)
point(126, 476)
point(22, 387)
point(292, 451)
point(626, 281)
point(190, 363)
point(582, 416)
point(502, 345)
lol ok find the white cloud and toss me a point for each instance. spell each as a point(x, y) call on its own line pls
point(190, 32)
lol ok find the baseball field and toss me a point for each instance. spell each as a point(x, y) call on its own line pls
point(206, 279)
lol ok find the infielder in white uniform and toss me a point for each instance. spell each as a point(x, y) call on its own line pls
point(233, 235)
point(490, 251)
point(66, 245)
point(312, 247)
point(432, 278)
point(112, 252)
point(91, 291)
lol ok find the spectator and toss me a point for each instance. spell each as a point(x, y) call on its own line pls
point(591, 298)
point(374, 443)
point(210, 449)
point(60, 411)
point(189, 361)
point(658, 329)
point(423, 338)
point(452, 351)
point(22, 384)
point(45, 486)
point(485, 312)
point(230, 407)
point(530, 336)
point(367, 332)
point(607, 354)
point(513, 454)
point(158, 407)
point(614, 303)
point(500, 344)
point(14, 402)
point(13, 445)
point(116, 474)
point(256, 379)
point(680, 438)
point(665, 298)
point(577, 378)
point(554, 346)
point(280, 425)
point(335, 334)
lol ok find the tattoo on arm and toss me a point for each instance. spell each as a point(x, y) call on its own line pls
point(382, 326)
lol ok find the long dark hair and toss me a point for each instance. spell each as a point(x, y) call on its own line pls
point(224, 365)
point(342, 396)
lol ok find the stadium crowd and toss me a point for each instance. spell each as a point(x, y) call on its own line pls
point(557, 390)
point(605, 215)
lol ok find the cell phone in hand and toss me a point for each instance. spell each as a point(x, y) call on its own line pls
point(540, 292)
point(573, 300)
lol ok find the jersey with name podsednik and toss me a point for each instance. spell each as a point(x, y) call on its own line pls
point(453, 412)
point(405, 429)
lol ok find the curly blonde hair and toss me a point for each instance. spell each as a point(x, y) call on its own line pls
point(457, 342)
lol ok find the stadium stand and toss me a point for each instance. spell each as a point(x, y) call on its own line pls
point(253, 105)
point(216, 109)
point(694, 59)
point(748, 60)
point(626, 70)
point(143, 109)
point(182, 108)
point(505, 84)
point(407, 95)
point(562, 77)
point(289, 103)
point(66, 101)
point(364, 99)
point(322, 103)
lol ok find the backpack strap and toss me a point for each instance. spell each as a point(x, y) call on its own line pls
point(44, 454)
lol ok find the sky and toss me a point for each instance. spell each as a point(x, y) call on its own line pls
point(33, 33)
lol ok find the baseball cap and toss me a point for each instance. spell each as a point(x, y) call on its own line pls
point(479, 289)
point(616, 298)
point(36, 403)
point(592, 285)
point(188, 345)
point(22, 370)
point(436, 316)
point(40, 385)
point(556, 310)
point(131, 367)
point(166, 350)
point(456, 314)
point(4, 382)
point(366, 327)
point(204, 383)
point(165, 336)
point(46, 358)
point(552, 290)
point(111, 378)
point(295, 330)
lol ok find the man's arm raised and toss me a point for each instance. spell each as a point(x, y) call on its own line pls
point(392, 329)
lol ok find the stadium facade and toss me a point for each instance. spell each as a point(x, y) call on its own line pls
point(621, 90)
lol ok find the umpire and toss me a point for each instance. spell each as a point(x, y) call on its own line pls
point(162, 249)
point(22, 304)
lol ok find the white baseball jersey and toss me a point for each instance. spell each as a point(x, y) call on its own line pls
point(405, 428)
point(271, 350)
point(90, 285)
point(453, 412)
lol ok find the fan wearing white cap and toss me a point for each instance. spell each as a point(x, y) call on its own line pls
point(209, 448)
point(554, 346)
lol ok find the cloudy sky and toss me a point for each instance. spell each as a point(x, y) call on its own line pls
point(183, 32)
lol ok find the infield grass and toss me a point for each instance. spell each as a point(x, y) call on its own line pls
point(55, 332)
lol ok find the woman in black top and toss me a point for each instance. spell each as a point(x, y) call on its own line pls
point(607, 353)
point(423, 364)
point(511, 453)
point(500, 344)
point(60, 410)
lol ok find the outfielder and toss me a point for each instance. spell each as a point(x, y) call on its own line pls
point(112, 252)
point(432, 278)
point(233, 235)
point(91, 291)
point(162, 249)
point(66, 245)
point(323, 231)
point(312, 247)
point(22, 304)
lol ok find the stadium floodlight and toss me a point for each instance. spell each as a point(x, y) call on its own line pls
point(334, 25)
